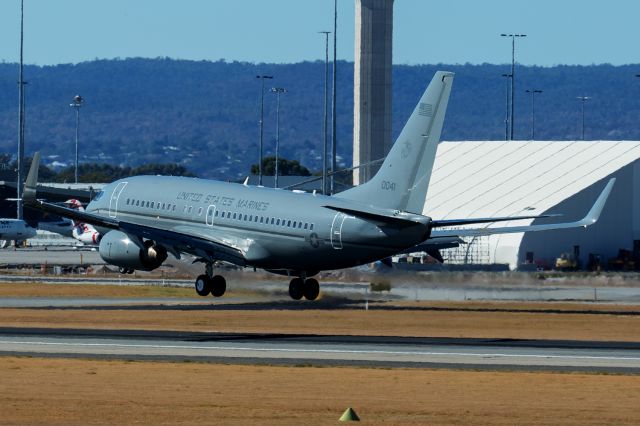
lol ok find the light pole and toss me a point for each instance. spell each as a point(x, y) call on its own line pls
point(326, 102)
point(533, 111)
point(77, 103)
point(262, 78)
point(506, 106)
point(513, 77)
point(333, 96)
point(583, 99)
point(21, 102)
point(277, 91)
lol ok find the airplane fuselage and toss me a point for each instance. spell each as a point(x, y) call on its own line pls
point(15, 229)
point(275, 229)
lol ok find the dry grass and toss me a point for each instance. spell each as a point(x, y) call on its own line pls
point(70, 392)
point(85, 290)
point(58, 391)
point(451, 323)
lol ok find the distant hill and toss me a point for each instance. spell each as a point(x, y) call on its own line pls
point(204, 115)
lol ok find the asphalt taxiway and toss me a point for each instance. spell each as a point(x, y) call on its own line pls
point(291, 349)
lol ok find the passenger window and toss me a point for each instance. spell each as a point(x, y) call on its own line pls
point(137, 203)
point(261, 219)
point(255, 219)
point(272, 221)
point(311, 227)
point(289, 224)
point(245, 218)
point(234, 215)
point(200, 211)
point(216, 214)
point(152, 204)
point(295, 224)
point(278, 222)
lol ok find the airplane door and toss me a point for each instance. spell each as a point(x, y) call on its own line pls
point(336, 230)
point(211, 212)
point(113, 202)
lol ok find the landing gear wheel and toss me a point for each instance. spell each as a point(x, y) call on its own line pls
point(218, 285)
point(311, 289)
point(203, 285)
point(296, 289)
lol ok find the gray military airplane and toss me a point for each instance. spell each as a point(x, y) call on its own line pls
point(141, 219)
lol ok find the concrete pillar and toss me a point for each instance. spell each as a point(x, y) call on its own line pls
point(372, 85)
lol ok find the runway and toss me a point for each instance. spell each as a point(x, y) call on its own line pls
point(290, 349)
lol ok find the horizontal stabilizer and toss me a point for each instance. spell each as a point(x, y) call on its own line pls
point(591, 217)
point(384, 217)
point(460, 222)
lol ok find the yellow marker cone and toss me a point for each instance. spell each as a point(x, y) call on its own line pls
point(349, 416)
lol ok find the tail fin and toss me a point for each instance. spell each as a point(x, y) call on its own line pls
point(403, 179)
point(31, 182)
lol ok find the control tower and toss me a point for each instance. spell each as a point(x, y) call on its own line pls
point(372, 85)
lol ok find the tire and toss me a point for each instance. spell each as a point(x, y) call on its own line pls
point(296, 289)
point(218, 285)
point(203, 285)
point(311, 289)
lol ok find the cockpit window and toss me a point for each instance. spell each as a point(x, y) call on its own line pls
point(98, 195)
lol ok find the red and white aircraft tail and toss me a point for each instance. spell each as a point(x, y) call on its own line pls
point(83, 232)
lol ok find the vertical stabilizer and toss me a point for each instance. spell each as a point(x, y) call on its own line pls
point(403, 179)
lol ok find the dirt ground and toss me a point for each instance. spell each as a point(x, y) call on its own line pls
point(70, 392)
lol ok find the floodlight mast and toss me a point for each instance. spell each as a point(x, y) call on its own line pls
point(262, 78)
point(21, 83)
point(513, 78)
point(76, 104)
point(533, 111)
point(326, 102)
point(277, 91)
point(583, 99)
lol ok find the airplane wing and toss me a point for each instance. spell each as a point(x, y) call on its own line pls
point(199, 245)
point(591, 217)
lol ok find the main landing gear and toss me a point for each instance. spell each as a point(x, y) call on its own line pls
point(208, 283)
point(299, 288)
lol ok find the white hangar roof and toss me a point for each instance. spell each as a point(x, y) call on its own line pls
point(503, 178)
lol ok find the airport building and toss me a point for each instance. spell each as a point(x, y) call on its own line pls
point(516, 178)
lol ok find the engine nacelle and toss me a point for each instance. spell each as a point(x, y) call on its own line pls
point(116, 248)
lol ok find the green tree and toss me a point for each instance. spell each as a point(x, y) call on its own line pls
point(285, 167)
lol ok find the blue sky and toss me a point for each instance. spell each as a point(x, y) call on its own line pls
point(283, 31)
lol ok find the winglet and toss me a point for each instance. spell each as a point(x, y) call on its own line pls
point(32, 180)
point(594, 214)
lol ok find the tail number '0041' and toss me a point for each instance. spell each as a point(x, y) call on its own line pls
point(388, 186)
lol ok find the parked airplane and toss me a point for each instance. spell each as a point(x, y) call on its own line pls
point(14, 230)
point(83, 232)
point(144, 218)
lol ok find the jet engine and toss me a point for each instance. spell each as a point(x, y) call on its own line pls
point(117, 248)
